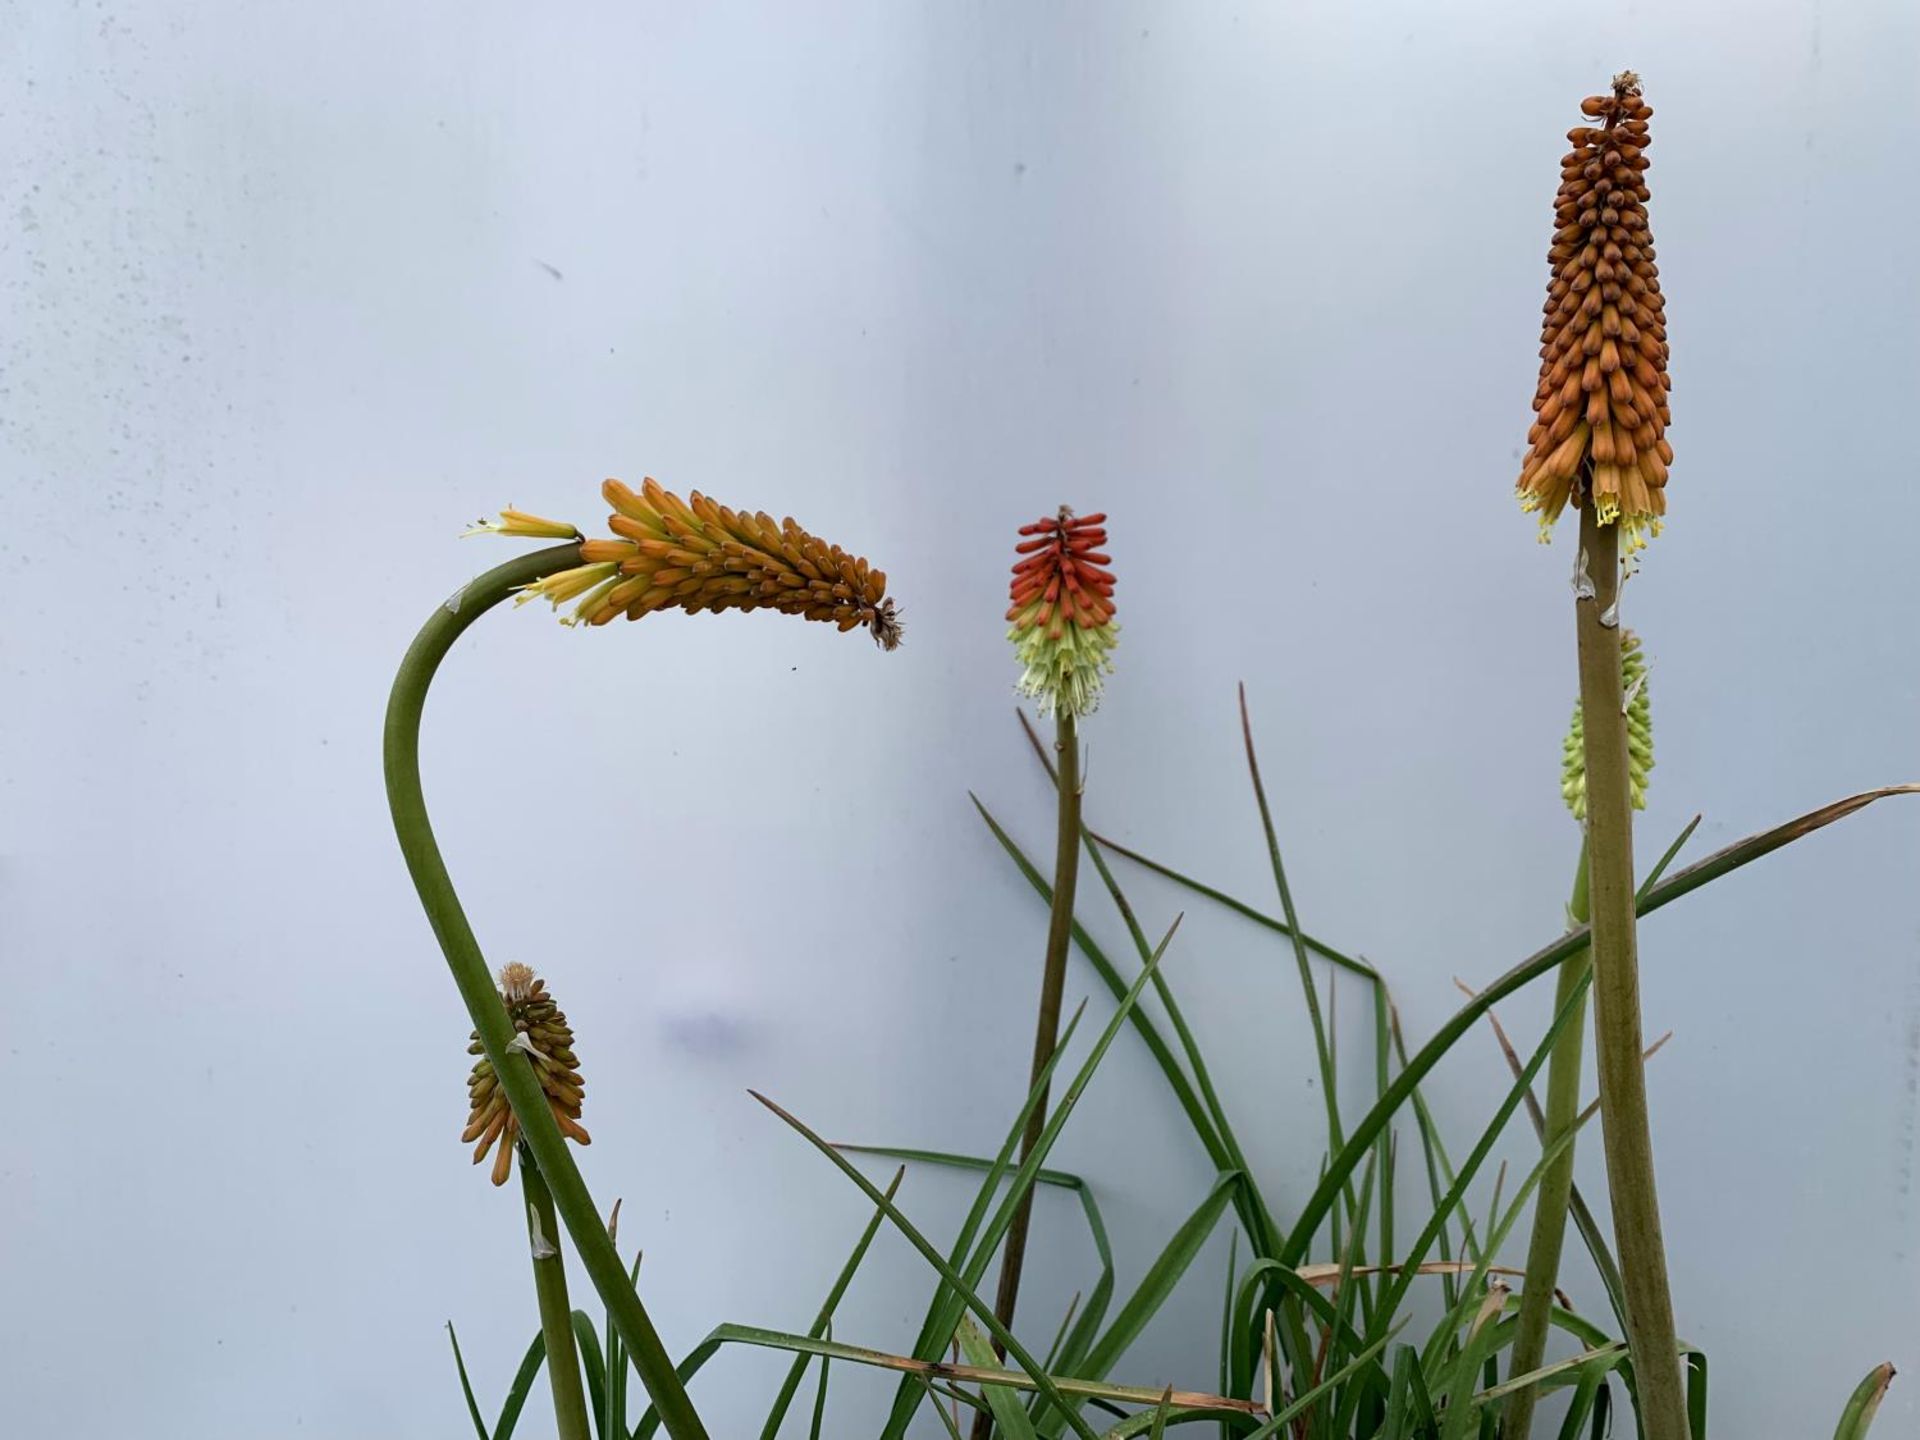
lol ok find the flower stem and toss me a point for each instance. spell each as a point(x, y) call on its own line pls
point(556, 1313)
point(442, 905)
point(1556, 1185)
point(1616, 992)
point(1053, 983)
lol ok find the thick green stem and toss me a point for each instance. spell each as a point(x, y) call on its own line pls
point(437, 897)
point(556, 1312)
point(1556, 1184)
point(1053, 984)
point(1616, 992)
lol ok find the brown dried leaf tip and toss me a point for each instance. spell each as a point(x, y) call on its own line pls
point(1602, 399)
point(1061, 618)
point(542, 1034)
point(694, 555)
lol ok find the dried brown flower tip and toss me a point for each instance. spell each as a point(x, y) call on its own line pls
point(1602, 398)
point(1061, 618)
point(695, 555)
point(541, 1032)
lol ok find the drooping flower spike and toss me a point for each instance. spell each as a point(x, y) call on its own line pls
point(695, 555)
point(1573, 754)
point(541, 1032)
point(1062, 613)
point(1602, 397)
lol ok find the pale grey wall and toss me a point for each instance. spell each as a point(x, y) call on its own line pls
point(292, 292)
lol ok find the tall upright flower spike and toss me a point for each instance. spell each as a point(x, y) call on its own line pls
point(1573, 755)
point(1062, 613)
point(541, 1032)
point(695, 555)
point(1602, 398)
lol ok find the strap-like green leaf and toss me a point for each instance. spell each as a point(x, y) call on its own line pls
point(943, 1311)
point(1155, 1286)
point(1864, 1403)
point(1008, 1412)
point(820, 1397)
point(466, 1385)
point(973, 1302)
point(517, 1393)
point(822, 1321)
point(594, 1362)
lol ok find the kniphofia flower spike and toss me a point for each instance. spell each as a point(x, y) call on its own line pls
point(696, 555)
point(1602, 397)
point(1062, 612)
point(541, 1032)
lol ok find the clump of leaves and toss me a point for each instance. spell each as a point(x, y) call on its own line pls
point(1310, 1348)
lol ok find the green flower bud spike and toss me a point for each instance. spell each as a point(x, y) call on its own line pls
point(1573, 756)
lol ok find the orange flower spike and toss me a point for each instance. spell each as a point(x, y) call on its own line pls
point(697, 555)
point(1600, 406)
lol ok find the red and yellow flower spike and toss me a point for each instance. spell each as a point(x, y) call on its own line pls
point(1602, 398)
point(696, 555)
point(1062, 613)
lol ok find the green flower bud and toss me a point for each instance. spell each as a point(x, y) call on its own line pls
point(1573, 754)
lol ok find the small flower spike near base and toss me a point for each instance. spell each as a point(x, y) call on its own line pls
point(1573, 761)
point(695, 555)
point(1602, 399)
point(1062, 613)
point(542, 1034)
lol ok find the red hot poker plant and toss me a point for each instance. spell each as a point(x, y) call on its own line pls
point(1599, 441)
point(1061, 625)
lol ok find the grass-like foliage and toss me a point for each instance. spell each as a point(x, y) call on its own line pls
point(1317, 1310)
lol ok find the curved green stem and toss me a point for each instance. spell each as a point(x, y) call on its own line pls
point(556, 1313)
point(1556, 1182)
point(538, 1130)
